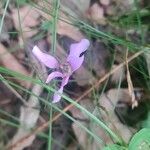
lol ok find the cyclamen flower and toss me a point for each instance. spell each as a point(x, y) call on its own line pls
point(63, 70)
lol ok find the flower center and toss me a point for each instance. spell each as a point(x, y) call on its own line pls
point(66, 68)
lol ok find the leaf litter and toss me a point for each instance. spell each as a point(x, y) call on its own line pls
point(119, 92)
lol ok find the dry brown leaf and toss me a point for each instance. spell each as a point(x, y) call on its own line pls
point(83, 76)
point(97, 58)
point(82, 135)
point(28, 118)
point(105, 2)
point(69, 30)
point(75, 8)
point(106, 113)
point(120, 6)
point(119, 75)
point(27, 18)
point(96, 14)
point(108, 101)
point(64, 26)
point(10, 62)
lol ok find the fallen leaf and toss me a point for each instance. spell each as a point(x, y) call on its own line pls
point(108, 101)
point(64, 24)
point(119, 75)
point(96, 14)
point(81, 135)
point(28, 117)
point(25, 19)
point(84, 77)
point(75, 8)
point(105, 112)
point(105, 2)
point(5, 55)
point(97, 58)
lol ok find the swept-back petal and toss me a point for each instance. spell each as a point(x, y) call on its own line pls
point(77, 48)
point(65, 80)
point(75, 62)
point(74, 58)
point(57, 96)
point(53, 75)
point(46, 59)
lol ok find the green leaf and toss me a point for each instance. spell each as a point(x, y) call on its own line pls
point(114, 147)
point(141, 140)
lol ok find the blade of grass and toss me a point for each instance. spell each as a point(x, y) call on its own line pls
point(8, 122)
point(55, 11)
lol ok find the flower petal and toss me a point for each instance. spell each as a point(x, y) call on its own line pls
point(57, 96)
point(65, 80)
point(74, 58)
point(75, 62)
point(77, 48)
point(53, 75)
point(46, 59)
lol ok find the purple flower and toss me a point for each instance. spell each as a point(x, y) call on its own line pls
point(63, 70)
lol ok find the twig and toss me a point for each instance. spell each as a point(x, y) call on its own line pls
point(130, 85)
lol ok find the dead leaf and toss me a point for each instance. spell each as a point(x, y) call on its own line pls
point(64, 25)
point(119, 75)
point(105, 2)
point(81, 135)
point(28, 118)
point(82, 5)
point(96, 14)
point(105, 112)
point(120, 6)
point(75, 8)
point(108, 101)
point(97, 58)
point(13, 65)
point(83, 76)
point(25, 19)
point(69, 30)
point(70, 7)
